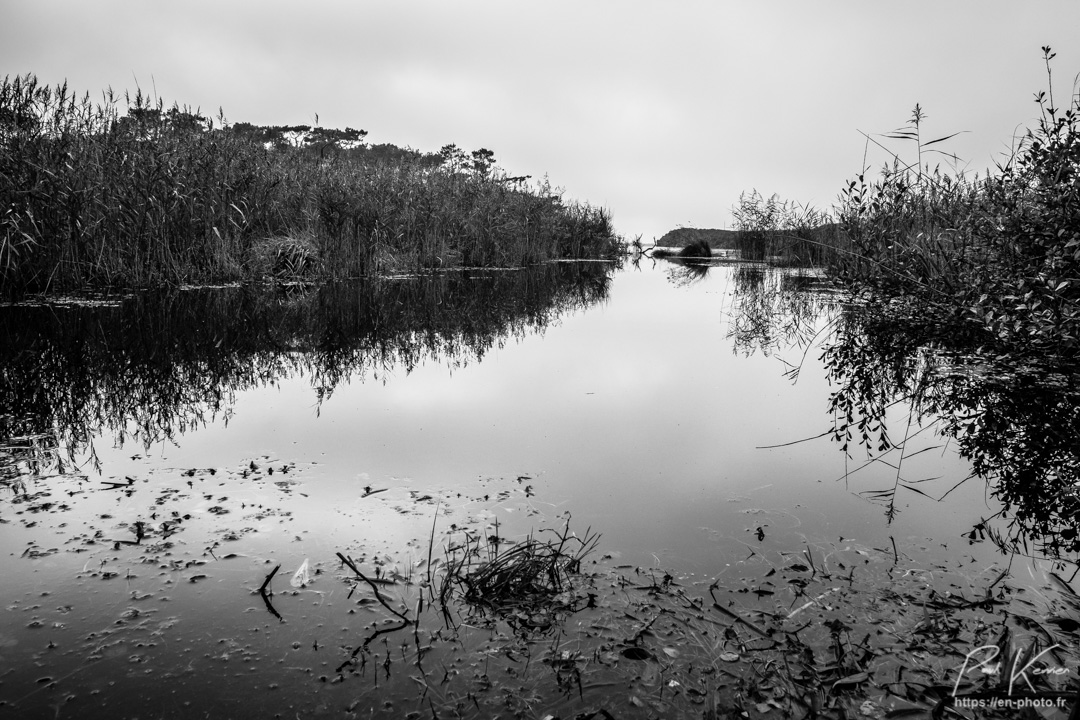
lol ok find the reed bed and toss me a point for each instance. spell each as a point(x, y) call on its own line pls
point(783, 232)
point(127, 192)
point(914, 233)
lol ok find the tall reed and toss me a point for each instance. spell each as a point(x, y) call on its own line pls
point(782, 231)
point(129, 192)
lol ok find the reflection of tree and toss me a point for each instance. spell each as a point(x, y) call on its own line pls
point(776, 307)
point(1017, 421)
point(157, 365)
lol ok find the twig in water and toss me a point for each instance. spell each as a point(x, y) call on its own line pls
point(431, 544)
point(262, 588)
point(374, 587)
point(810, 602)
point(810, 559)
point(793, 442)
point(266, 598)
point(738, 618)
point(644, 629)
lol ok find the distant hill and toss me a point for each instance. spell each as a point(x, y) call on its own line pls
point(681, 237)
point(728, 239)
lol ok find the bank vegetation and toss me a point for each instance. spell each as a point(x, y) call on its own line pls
point(992, 260)
point(129, 192)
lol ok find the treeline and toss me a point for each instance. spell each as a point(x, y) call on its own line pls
point(130, 193)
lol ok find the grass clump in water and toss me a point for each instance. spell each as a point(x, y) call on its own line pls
point(530, 581)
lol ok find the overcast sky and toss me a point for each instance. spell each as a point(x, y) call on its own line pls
point(662, 112)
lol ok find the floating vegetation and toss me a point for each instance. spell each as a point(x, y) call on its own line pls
point(527, 583)
point(466, 616)
point(838, 630)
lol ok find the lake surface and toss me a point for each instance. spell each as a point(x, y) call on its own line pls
point(177, 450)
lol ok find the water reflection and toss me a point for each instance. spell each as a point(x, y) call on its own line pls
point(157, 365)
point(893, 377)
point(778, 308)
point(620, 400)
point(1013, 418)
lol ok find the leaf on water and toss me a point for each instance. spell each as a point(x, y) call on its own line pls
point(636, 653)
point(301, 577)
point(853, 679)
point(671, 652)
point(1066, 624)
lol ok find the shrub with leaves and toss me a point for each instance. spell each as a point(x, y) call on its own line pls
point(1032, 221)
point(1001, 252)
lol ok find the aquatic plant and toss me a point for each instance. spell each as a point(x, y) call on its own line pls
point(697, 249)
point(531, 580)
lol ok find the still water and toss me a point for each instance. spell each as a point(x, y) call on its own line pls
point(670, 413)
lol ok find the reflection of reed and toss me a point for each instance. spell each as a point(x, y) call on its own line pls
point(776, 307)
point(160, 364)
point(24, 455)
point(1018, 422)
point(687, 271)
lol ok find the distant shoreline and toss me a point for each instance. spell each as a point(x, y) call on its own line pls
point(718, 239)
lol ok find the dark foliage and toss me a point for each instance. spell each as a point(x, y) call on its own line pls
point(158, 364)
point(95, 197)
